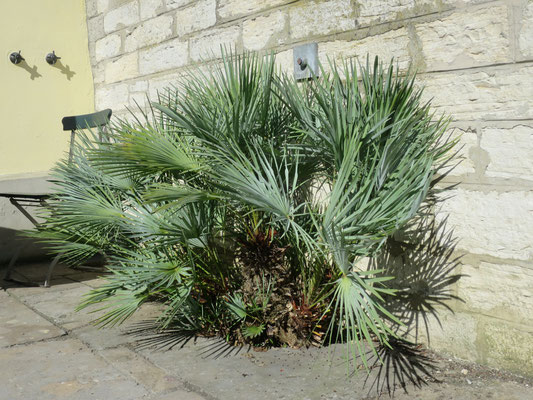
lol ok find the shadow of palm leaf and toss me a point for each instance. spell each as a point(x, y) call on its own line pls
point(423, 262)
point(399, 365)
point(423, 268)
point(220, 348)
point(149, 336)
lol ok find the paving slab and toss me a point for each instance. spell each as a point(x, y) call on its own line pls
point(60, 284)
point(132, 364)
point(104, 338)
point(179, 395)
point(62, 273)
point(275, 374)
point(20, 280)
point(465, 391)
point(59, 303)
point(91, 279)
point(37, 270)
point(19, 324)
point(62, 369)
point(309, 374)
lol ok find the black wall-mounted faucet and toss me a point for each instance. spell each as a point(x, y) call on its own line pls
point(51, 58)
point(16, 58)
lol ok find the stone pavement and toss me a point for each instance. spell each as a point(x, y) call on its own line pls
point(49, 351)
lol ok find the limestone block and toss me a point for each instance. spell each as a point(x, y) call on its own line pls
point(125, 67)
point(512, 285)
point(452, 333)
point(466, 39)
point(428, 6)
point(172, 80)
point(107, 47)
point(151, 8)
point(263, 32)
point(525, 34)
point(372, 12)
point(172, 4)
point(137, 100)
point(162, 84)
point(508, 346)
point(208, 45)
point(201, 15)
point(102, 6)
point(285, 61)
point(112, 4)
point(91, 8)
point(455, 3)
point(171, 54)
point(237, 8)
point(92, 58)
point(463, 162)
point(98, 73)
point(362, 264)
point(150, 32)
point(138, 86)
point(95, 28)
point(112, 96)
point(387, 45)
point(492, 93)
point(123, 16)
point(496, 224)
point(510, 151)
point(321, 18)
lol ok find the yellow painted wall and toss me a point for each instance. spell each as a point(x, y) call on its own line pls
point(34, 96)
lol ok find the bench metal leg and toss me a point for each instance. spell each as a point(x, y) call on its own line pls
point(12, 262)
point(16, 201)
point(50, 270)
point(11, 267)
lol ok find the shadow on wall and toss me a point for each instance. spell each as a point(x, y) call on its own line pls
point(31, 70)
point(423, 264)
point(11, 240)
point(13, 222)
point(65, 70)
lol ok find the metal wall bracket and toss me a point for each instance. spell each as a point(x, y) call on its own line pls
point(305, 61)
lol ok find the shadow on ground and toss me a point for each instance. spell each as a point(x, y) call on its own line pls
point(423, 264)
point(32, 274)
point(51, 351)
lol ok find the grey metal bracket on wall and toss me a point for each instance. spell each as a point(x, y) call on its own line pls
point(305, 61)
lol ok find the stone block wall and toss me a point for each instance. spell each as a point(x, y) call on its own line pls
point(475, 59)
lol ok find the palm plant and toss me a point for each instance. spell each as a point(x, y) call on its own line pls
point(243, 201)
